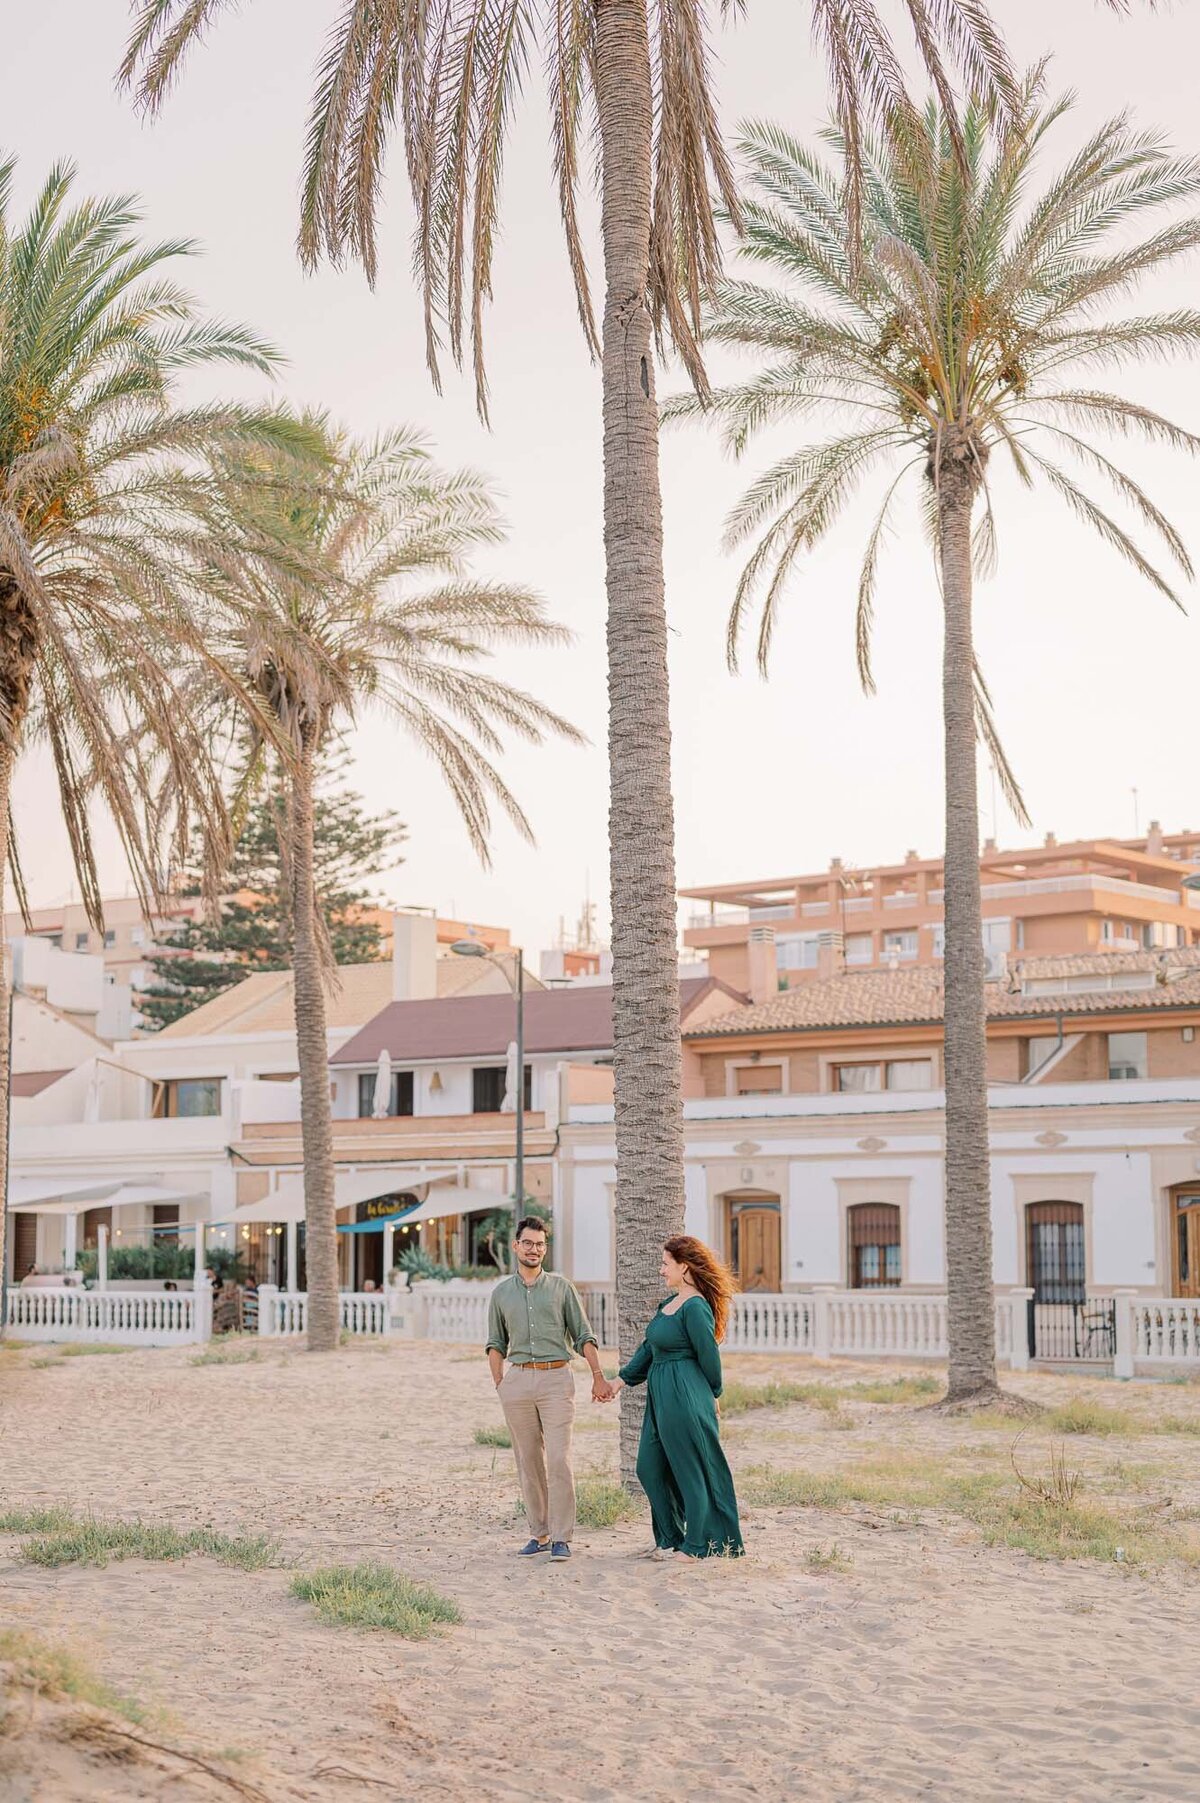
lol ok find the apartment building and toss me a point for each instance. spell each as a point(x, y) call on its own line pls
point(1087, 896)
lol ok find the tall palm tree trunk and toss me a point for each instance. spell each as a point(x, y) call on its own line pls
point(649, 1124)
point(971, 1308)
point(316, 1127)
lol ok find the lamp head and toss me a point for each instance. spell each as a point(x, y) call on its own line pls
point(469, 948)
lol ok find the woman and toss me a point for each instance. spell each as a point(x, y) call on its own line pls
point(680, 1463)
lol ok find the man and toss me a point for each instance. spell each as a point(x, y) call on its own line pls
point(536, 1318)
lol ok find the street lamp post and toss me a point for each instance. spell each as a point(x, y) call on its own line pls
point(471, 948)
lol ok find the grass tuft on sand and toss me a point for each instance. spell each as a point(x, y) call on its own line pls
point(827, 1558)
point(492, 1436)
point(226, 1355)
point(371, 1595)
point(1043, 1518)
point(601, 1503)
point(56, 1537)
point(739, 1398)
point(59, 1674)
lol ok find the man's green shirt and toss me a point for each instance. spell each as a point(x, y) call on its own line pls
point(532, 1323)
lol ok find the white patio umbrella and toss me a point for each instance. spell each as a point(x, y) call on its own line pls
point(512, 1081)
point(381, 1102)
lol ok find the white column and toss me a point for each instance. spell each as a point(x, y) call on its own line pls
point(102, 1259)
point(1019, 1301)
point(293, 1277)
point(267, 1295)
point(821, 1337)
point(72, 1242)
point(1123, 1352)
point(198, 1278)
point(389, 1250)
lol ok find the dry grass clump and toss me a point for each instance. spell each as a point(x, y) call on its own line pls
point(1041, 1514)
point(56, 1673)
point(827, 1558)
point(371, 1595)
point(737, 1398)
point(226, 1355)
point(492, 1436)
point(56, 1537)
point(601, 1503)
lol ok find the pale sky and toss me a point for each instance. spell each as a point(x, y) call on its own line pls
point(1093, 674)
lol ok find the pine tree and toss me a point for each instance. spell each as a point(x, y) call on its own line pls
point(202, 958)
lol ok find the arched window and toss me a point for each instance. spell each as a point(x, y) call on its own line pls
point(873, 1236)
point(1055, 1252)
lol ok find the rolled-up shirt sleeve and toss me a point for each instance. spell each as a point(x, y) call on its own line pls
point(576, 1322)
point(497, 1340)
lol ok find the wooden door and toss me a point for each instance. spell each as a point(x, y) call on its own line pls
point(758, 1259)
point(1185, 1244)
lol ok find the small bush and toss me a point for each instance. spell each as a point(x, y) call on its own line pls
point(36, 1521)
point(738, 1398)
point(374, 1596)
point(601, 1504)
point(492, 1436)
point(226, 1355)
point(894, 1389)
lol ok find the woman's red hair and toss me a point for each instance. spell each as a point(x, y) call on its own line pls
point(714, 1280)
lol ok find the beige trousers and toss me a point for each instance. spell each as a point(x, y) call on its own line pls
point(539, 1407)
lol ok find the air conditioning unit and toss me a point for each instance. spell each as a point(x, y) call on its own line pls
point(995, 965)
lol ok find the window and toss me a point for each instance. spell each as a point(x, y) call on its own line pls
point(939, 939)
point(487, 1088)
point(1037, 1051)
point(137, 935)
point(873, 1236)
point(186, 1098)
point(110, 938)
point(1158, 935)
point(900, 945)
point(1055, 1252)
point(860, 948)
point(910, 1073)
point(759, 1080)
point(997, 935)
point(399, 1102)
point(54, 940)
point(81, 942)
point(1126, 1056)
point(796, 951)
point(166, 1223)
point(858, 1079)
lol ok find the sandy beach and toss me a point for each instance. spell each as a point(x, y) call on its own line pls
point(862, 1651)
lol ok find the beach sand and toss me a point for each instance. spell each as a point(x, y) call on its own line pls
point(929, 1667)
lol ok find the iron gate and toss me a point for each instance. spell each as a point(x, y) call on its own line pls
point(1067, 1331)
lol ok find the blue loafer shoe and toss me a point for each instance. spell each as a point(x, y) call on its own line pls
point(533, 1546)
point(560, 1550)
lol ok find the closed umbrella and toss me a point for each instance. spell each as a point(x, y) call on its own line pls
point(381, 1105)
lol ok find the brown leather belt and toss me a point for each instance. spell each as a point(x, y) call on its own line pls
point(543, 1364)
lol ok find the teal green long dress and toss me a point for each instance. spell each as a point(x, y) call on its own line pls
point(680, 1464)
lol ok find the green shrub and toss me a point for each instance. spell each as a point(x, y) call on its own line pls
point(492, 1436)
point(601, 1504)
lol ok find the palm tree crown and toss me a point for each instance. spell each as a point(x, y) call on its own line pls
point(968, 325)
point(100, 466)
point(347, 585)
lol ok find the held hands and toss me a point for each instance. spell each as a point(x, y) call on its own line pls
point(605, 1389)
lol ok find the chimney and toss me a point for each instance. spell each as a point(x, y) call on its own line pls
point(764, 968)
point(831, 955)
point(1154, 843)
point(835, 866)
point(414, 957)
point(1051, 841)
point(912, 857)
point(989, 845)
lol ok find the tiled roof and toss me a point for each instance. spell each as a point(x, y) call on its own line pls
point(884, 998)
point(263, 1003)
point(570, 1019)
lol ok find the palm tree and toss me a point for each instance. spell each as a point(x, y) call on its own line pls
point(451, 73)
point(965, 323)
point(322, 619)
point(98, 471)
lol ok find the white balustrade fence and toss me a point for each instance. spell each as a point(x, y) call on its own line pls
point(452, 1313)
point(285, 1312)
point(114, 1317)
point(1164, 1330)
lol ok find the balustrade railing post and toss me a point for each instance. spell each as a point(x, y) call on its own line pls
point(202, 1306)
point(822, 1327)
point(1123, 1301)
point(1018, 1301)
point(268, 1294)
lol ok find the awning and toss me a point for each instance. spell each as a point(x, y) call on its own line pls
point(350, 1188)
point(459, 1199)
point(52, 1195)
point(131, 1193)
